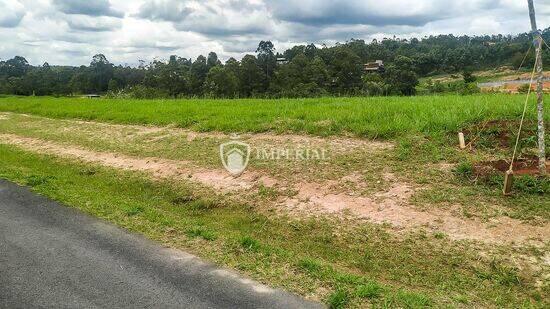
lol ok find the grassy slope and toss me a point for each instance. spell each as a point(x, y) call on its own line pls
point(413, 158)
point(371, 117)
point(355, 264)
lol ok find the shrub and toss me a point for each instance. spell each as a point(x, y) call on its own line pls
point(138, 92)
point(469, 88)
point(524, 88)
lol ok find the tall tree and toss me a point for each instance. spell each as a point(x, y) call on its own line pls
point(346, 69)
point(401, 76)
point(266, 58)
point(221, 83)
point(100, 73)
point(212, 60)
point(251, 77)
point(199, 69)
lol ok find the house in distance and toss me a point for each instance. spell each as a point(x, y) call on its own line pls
point(375, 67)
point(282, 60)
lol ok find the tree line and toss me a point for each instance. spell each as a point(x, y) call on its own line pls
point(302, 71)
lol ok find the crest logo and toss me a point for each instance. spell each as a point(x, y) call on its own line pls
point(235, 156)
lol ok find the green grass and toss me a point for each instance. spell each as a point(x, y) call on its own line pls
point(385, 117)
point(412, 159)
point(353, 264)
point(338, 299)
point(346, 265)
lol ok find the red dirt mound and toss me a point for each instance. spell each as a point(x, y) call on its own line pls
point(526, 166)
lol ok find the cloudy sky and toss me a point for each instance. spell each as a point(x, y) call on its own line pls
point(72, 31)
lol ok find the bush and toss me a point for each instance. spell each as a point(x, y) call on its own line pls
point(524, 88)
point(468, 77)
point(309, 90)
point(469, 88)
point(138, 92)
point(436, 87)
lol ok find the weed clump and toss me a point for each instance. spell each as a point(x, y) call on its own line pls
point(338, 299)
point(464, 170)
point(369, 290)
point(249, 243)
point(310, 265)
point(201, 232)
point(37, 180)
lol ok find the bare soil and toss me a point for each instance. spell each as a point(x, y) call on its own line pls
point(527, 166)
point(391, 205)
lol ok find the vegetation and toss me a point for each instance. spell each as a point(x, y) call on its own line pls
point(355, 264)
point(368, 117)
point(310, 72)
point(344, 262)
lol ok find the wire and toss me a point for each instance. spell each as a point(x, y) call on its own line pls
point(524, 58)
point(523, 114)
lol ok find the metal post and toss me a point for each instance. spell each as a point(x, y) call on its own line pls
point(540, 80)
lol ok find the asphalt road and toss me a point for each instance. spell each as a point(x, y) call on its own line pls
point(53, 256)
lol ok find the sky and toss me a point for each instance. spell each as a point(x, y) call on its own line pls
point(70, 32)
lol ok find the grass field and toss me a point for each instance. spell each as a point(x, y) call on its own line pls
point(453, 249)
point(359, 264)
point(385, 117)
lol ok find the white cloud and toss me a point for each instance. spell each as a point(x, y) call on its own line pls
point(11, 14)
point(87, 7)
point(72, 31)
point(164, 10)
point(93, 23)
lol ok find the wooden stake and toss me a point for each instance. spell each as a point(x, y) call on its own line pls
point(461, 140)
point(508, 182)
point(540, 95)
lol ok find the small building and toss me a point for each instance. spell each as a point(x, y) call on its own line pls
point(281, 60)
point(375, 67)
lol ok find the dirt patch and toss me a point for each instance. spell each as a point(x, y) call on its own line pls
point(513, 87)
point(335, 143)
point(392, 207)
point(497, 134)
point(525, 166)
point(389, 206)
point(445, 167)
point(158, 168)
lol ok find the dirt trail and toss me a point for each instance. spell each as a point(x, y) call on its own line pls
point(393, 207)
point(157, 133)
point(158, 168)
point(390, 206)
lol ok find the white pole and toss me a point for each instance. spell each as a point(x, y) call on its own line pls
point(540, 95)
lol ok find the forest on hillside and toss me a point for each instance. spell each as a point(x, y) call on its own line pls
point(302, 71)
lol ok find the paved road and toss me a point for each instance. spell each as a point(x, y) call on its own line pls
point(53, 256)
